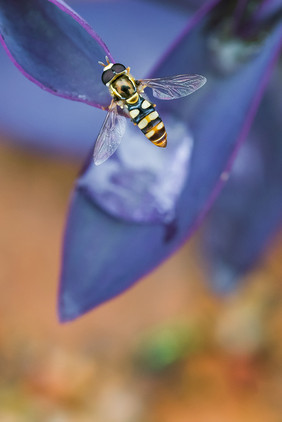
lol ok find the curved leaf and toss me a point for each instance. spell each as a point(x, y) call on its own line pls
point(31, 117)
point(54, 48)
point(248, 211)
point(102, 255)
point(140, 183)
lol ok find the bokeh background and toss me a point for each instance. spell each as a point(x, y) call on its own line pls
point(169, 349)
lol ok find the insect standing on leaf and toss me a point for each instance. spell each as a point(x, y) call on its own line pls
point(128, 94)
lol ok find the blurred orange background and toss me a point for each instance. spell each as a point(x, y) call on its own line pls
point(167, 350)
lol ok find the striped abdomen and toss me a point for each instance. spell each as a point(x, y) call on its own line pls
point(145, 116)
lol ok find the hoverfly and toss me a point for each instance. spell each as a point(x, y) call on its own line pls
point(128, 94)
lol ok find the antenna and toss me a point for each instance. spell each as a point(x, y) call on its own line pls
point(107, 60)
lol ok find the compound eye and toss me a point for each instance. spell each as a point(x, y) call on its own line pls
point(107, 76)
point(118, 68)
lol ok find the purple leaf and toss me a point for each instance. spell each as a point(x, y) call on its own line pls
point(55, 48)
point(33, 118)
point(268, 9)
point(142, 190)
point(248, 211)
point(183, 4)
point(104, 255)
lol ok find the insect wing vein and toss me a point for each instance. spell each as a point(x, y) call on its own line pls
point(174, 87)
point(109, 136)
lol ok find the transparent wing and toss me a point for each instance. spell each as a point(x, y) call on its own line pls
point(173, 87)
point(109, 136)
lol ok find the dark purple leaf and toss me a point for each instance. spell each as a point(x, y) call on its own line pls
point(103, 255)
point(248, 211)
point(137, 189)
point(268, 9)
point(187, 5)
point(214, 133)
point(55, 48)
point(36, 119)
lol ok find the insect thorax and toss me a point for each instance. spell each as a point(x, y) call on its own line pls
point(123, 87)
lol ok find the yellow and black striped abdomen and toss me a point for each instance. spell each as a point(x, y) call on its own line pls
point(145, 116)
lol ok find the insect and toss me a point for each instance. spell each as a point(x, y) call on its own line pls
point(128, 94)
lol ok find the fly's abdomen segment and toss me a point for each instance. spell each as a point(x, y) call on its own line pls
point(145, 116)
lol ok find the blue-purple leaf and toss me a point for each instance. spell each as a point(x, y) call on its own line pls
point(248, 211)
point(55, 48)
point(32, 117)
point(104, 255)
point(138, 189)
